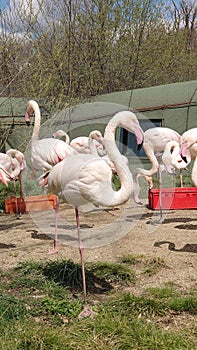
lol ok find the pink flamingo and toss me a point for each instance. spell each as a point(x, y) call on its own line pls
point(61, 134)
point(189, 150)
point(81, 144)
point(85, 178)
point(155, 140)
point(12, 163)
point(172, 158)
point(45, 153)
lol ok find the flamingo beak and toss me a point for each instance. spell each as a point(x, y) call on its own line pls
point(184, 158)
point(27, 118)
point(23, 165)
point(139, 136)
point(139, 146)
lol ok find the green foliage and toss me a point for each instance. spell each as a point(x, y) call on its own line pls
point(7, 191)
point(116, 182)
point(117, 46)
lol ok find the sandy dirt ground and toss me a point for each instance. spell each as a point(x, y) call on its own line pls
point(108, 235)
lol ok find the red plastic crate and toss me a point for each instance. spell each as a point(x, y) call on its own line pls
point(174, 198)
point(30, 203)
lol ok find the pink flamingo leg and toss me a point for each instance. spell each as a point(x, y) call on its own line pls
point(160, 194)
point(181, 178)
point(55, 248)
point(86, 311)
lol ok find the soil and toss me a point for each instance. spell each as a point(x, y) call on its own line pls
point(108, 235)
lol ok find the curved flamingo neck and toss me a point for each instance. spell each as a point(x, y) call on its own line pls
point(154, 162)
point(93, 136)
point(33, 107)
point(122, 169)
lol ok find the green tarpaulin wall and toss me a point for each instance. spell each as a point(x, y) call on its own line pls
point(174, 104)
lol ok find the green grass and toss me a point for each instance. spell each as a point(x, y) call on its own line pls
point(40, 304)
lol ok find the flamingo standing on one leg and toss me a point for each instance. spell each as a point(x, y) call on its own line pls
point(45, 153)
point(189, 150)
point(85, 178)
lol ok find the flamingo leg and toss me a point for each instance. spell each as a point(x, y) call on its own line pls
point(55, 248)
point(160, 193)
point(86, 311)
point(16, 201)
point(22, 196)
point(181, 177)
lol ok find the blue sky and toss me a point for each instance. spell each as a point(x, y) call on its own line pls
point(3, 3)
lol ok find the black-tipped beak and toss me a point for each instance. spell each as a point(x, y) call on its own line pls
point(139, 147)
point(184, 158)
point(28, 123)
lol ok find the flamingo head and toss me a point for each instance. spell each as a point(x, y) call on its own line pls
point(172, 158)
point(58, 133)
point(185, 154)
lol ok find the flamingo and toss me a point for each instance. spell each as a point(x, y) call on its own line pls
point(81, 143)
point(189, 150)
point(155, 140)
point(12, 163)
point(171, 157)
point(61, 134)
point(92, 144)
point(45, 153)
point(85, 178)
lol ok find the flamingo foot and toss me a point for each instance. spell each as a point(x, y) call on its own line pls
point(137, 201)
point(54, 250)
point(111, 211)
point(87, 312)
point(150, 181)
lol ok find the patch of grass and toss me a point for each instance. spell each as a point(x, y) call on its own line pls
point(69, 308)
point(154, 265)
point(188, 304)
point(162, 293)
point(113, 273)
point(131, 259)
point(11, 308)
point(46, 316)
